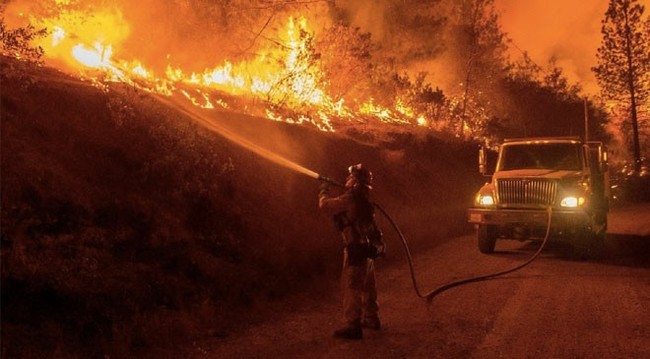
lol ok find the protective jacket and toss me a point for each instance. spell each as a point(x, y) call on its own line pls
point(354, 217)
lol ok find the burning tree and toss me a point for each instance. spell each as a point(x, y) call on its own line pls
point(438, 65)
point(623, 70)
point(289, 71)
point(17, 42)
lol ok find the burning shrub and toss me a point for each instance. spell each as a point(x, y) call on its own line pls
point(626, 185)
point(17, 42)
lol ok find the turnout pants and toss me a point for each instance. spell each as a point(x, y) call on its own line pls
point(359, 291)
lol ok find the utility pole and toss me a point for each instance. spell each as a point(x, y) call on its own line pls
point(632, 90)
point(586, 120)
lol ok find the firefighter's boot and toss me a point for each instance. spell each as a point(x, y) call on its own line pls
point(371, 323)
point(351, 331)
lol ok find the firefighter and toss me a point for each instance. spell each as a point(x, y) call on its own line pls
point(353, 214)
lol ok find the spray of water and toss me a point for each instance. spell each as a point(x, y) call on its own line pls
point(212, 126)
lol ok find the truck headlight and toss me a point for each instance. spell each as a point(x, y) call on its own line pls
point(485, 200)
point(572, 201)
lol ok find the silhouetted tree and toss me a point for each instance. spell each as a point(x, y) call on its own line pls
point(539, 102)
point(623, 70)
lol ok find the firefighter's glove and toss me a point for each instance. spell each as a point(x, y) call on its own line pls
point(324, 189)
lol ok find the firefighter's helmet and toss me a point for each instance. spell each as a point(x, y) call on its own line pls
point(361, 174)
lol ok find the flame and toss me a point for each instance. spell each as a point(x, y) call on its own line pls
point(287, 78)
point(98, 57)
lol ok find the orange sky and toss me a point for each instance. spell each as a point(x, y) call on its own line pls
point(569, 30)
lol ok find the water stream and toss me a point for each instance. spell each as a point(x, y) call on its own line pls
point(237, 139)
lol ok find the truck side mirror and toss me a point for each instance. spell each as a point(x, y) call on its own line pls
point(482, 160)
point(599, 152)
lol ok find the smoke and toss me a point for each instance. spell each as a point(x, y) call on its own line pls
point(568, 31)
point(368, 16)
point(408, 34)
point(193, 35)
point(199, 35)
point(176, 33)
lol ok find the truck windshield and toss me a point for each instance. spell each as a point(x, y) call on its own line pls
point(556, 156)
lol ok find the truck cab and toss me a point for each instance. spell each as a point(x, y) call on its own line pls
point(534, 175)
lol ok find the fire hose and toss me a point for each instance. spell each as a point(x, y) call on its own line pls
point(430, 295)
point(265, 153)
point(211, 125)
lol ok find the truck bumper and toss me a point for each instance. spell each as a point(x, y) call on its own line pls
point(528, 218)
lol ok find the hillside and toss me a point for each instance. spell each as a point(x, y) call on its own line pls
point(127, 226)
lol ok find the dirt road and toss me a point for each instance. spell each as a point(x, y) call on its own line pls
point(556, 307)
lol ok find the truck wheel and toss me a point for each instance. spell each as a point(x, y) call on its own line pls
point(600, 220)
point(597, 244)
point(487, 237)
point(581, 244)
point(588, 245)
point(597, 235)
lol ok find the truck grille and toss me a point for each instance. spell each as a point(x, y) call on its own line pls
point(528, 192)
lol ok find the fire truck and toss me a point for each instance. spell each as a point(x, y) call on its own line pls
point(558, 179)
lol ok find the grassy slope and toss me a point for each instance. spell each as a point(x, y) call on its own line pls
point(127, 226)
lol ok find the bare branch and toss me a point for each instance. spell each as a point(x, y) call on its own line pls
point(259, 33)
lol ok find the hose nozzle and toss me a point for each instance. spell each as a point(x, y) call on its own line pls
point(329, 180)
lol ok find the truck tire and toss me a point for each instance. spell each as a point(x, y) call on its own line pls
point(597, 235)
point(487, 238)
point(597, 247)
point(581, 244)
point(600, 220)
point(588, 245)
